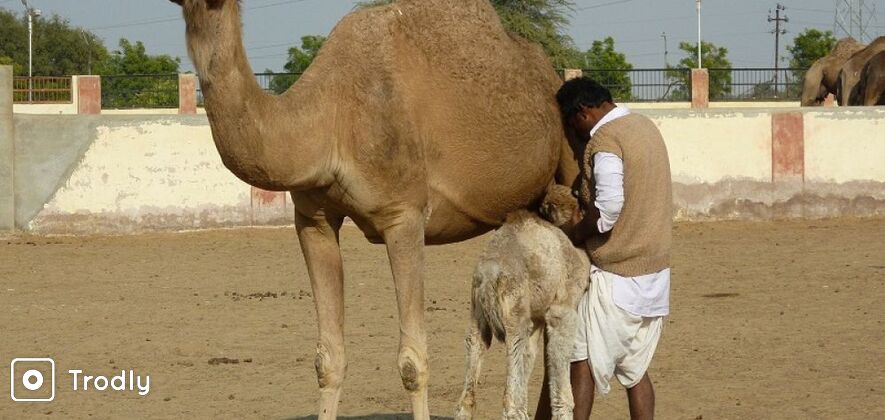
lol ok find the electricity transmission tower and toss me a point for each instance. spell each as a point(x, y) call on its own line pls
point(856, 18)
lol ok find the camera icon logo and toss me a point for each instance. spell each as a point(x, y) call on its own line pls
point(32, 379)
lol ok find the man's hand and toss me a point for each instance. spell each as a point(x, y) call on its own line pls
point(581, 229)
point(583, 226)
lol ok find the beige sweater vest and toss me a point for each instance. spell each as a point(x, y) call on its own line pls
point(640, 241)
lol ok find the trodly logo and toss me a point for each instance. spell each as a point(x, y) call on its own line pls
point(125, 381)
point(32, 379)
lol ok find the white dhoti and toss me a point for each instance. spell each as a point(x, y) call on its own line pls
point(614, 341)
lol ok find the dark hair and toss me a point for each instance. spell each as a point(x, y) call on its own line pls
point(581, 92)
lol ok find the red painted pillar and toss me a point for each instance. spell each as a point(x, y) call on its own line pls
point(787, 147)
point(268, 207)
point(700, 88)
point(187, 94)
point(89, 95)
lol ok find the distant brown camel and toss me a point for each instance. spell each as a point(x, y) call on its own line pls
point(871, 87)
point(423, 121)
point(821, 79)
point(851, 71)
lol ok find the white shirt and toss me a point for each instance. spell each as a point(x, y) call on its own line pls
point(647, 295)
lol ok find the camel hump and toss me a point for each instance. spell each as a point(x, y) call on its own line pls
point(845, 48)
point(452, 36)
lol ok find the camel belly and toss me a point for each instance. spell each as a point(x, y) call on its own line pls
point(448, 224)
point(460, 214)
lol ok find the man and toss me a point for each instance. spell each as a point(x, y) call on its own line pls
point(626, 200)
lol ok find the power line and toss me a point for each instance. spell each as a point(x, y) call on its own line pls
point(136, 23)
point(805, 22)
point(596, 6)
point(177, 17)
point(672, 18)
point(279, 3)
point(801, 9)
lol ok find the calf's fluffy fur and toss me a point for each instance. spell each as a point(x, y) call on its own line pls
point(528, 281)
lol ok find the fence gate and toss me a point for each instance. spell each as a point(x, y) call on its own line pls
point(41, 90)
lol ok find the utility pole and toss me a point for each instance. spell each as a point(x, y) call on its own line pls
point(777, 38)
point(666, 52)
point(89, 51)
point(700, 58)
point(31, 14)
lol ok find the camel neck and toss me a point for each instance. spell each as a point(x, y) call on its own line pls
point(215, 43)
point(254, 142)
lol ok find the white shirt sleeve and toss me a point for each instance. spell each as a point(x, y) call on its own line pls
point(608, 171)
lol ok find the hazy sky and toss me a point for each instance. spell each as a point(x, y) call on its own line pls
point(271, 26)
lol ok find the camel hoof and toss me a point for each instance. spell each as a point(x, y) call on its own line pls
point(516, 415)
point(463, 413)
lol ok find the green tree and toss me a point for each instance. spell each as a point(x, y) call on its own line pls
point(809, 46)
point(59, 48)
point(299, 60)
point(715, 60)
point(372, 3)
point(133, 78)
point(14, 42)
point(540, 21)
point(8, 61)
point(610, 68)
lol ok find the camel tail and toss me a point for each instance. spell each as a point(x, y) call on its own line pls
point(486, 302)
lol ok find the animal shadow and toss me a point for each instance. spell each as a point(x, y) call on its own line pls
point(390, 416)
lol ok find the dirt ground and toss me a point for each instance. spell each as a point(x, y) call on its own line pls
point(769, 320)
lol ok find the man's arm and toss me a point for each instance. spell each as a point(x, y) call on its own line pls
point(608, 170)
point(608, 173)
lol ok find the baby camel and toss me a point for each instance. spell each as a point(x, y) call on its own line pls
point(529, 277)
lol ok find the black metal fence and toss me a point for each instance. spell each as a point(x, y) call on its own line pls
point(276, 83)
point(644, 85)
point(629, 85)
point(139, 91)
point(743, 84)
point(41, 90)
point(674, 84)
point(272, 83)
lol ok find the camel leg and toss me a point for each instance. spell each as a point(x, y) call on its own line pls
point(535, 342)
point(516, 389)
point(561, 323)
point(405, 248)
point(318, 236)
point(475, 346)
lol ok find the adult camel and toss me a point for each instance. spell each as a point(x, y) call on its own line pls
point(850, 74)
point(821, 79)
point(871, 86)
point(423, 121)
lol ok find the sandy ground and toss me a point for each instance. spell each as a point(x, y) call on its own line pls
point(769, 320)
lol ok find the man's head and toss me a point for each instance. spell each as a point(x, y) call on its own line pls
point(583, 102)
